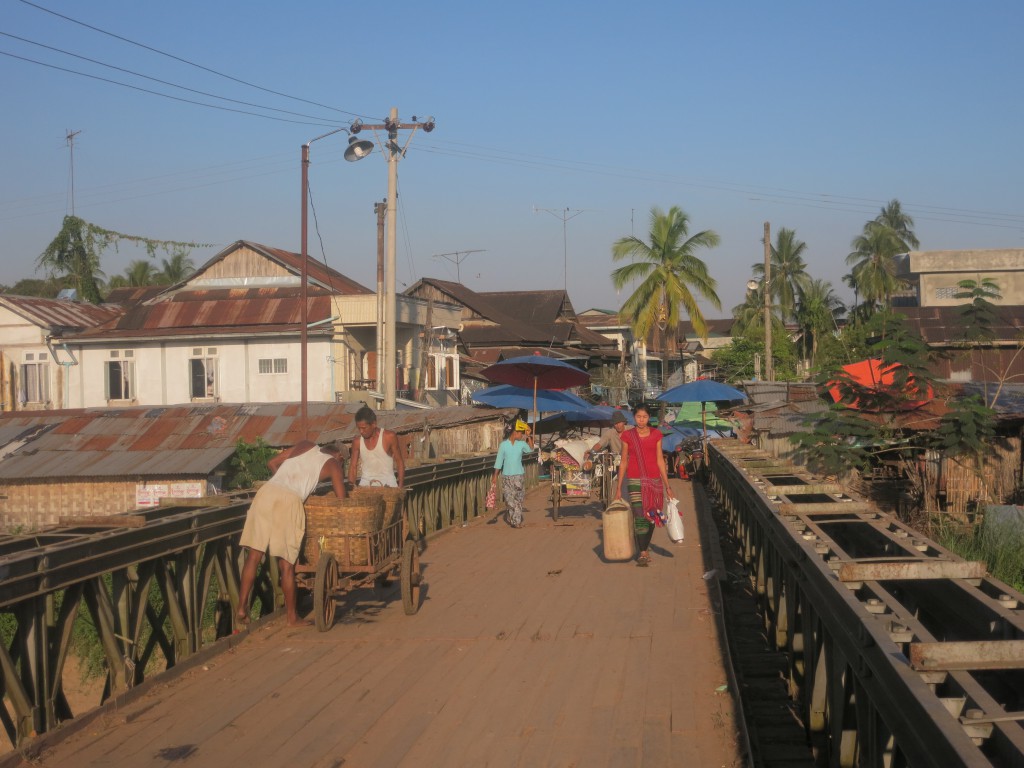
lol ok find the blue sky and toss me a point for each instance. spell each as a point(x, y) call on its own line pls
point(808, 115)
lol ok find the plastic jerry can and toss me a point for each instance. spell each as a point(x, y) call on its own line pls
point(617, 531)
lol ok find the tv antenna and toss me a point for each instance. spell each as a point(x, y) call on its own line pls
point(70, 139)
point(457, 257)
point(565, 214)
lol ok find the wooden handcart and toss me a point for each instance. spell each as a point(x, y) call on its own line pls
point(354, 542)
point(593, 480)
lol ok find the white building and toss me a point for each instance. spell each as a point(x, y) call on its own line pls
point(231, 333)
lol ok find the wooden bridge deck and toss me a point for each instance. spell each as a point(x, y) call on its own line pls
point(528, 650)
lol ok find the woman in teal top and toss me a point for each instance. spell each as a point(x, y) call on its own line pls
point(510, 463)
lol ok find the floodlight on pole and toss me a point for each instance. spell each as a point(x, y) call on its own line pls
point(357, 149)
point(394, 153)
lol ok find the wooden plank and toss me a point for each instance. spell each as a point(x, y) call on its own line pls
point(977, 654)
point(802, 490)
point(832, 507)
point(912, 569)
point(104, 521)
point(197, 501)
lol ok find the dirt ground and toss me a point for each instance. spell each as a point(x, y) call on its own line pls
point(528, 650)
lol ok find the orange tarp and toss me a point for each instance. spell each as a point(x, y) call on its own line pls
point(873, 374)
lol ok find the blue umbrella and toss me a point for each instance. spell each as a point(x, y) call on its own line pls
point(507, 396)
point(702, 391)
point(537, 371)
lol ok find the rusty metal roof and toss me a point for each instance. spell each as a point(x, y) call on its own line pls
point(181, 440)
point(247, 311)
point(58, 314)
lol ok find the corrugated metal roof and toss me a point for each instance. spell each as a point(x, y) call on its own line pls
point(181, 440)
point(219, 311)
point(57, 314)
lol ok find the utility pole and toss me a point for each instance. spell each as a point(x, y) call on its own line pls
point(393, 154)
point(454, 258)
point(70, 139)
point(565, 215)
point(381, 210)
point(769, 368)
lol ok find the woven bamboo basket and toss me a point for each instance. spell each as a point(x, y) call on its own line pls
point(391, 497)
point(333, 523)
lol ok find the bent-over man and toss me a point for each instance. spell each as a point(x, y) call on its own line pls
point(276, 520)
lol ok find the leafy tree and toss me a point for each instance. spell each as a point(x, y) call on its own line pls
point(736, 361)
point(788, 271)
point(31, 286)
point(249, 463)
point(670, 274)
point(74, 254)
point(883, 423)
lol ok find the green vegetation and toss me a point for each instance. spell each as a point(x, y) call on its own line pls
point(1002, 549)
point(74, 254)
point(249, 464)
point(736, 361)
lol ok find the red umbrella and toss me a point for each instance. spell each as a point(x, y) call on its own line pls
point(536, 371)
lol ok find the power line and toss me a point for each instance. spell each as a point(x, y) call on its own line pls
point(158, 80)
point(186, 61)
point(164, 95)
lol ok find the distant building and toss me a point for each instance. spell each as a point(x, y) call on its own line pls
point(933, 277)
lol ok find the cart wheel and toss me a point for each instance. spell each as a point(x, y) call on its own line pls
point(606, 485)
point(324, 587)
point(410, 577)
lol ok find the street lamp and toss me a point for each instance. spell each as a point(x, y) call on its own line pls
point(394, 154)
point(357, 150)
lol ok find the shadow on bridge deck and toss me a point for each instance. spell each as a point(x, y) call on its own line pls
point(528, 650)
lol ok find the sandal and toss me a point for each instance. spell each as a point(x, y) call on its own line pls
point(643, 561)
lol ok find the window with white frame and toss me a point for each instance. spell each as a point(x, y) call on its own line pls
point(273, 365)
point(35, 378)
point(442, 371)
point(120, 375)
point(202, 368)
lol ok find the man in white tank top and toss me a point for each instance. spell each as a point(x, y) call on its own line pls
point(376, 454)
point(276, 520)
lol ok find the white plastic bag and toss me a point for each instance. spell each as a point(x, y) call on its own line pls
point(674, 521)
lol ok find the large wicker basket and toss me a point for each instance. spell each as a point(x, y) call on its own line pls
point(341, 526)
point(391, 497)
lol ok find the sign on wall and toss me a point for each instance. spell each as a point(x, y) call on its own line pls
point(149, 494)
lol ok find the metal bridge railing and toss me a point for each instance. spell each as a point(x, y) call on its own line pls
point(148, 579)
point(899, 652)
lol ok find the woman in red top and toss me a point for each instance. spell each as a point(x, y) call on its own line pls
point(646, 480)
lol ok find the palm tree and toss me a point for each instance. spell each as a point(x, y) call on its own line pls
point(788, 270)
point(178, 268)
point(819, 307)
point(873, 262)
point(138, 273)
point(670, 274)
point(893, 217)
